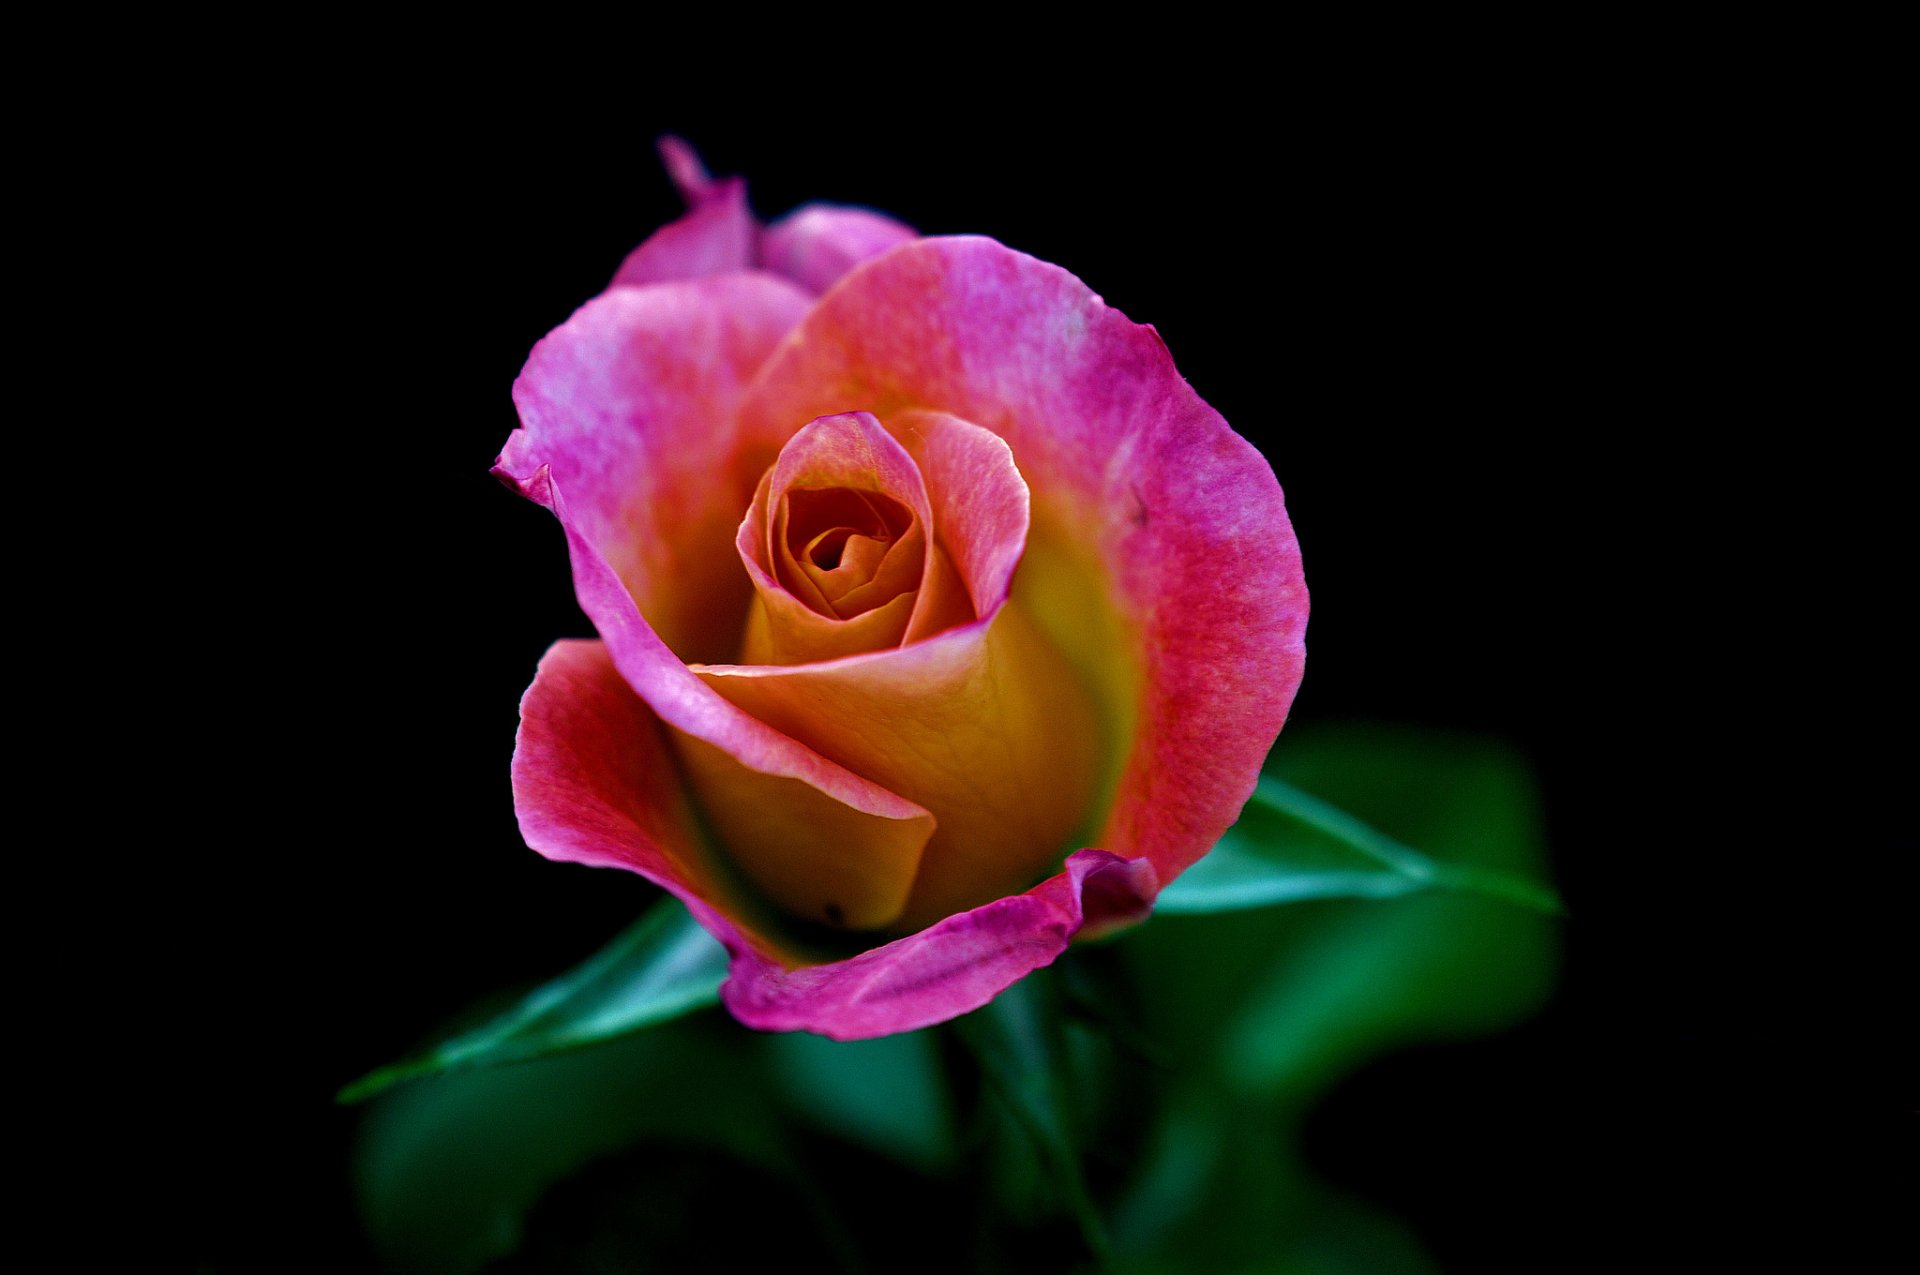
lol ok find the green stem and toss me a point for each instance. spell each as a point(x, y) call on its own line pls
point(1016, 1039)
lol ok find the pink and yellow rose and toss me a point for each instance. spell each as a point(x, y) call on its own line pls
point(940, 620)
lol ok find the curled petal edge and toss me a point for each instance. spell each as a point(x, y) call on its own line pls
point(679, 697)
point(575, 805)
point(948, 969)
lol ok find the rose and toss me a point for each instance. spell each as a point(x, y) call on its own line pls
point(940, 621)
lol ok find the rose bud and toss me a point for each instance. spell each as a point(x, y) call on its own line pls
point(940, 621)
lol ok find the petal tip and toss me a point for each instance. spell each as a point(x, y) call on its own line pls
point(520, 472)
point(683, 165)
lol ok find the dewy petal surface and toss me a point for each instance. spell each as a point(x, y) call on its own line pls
point(1160, 560)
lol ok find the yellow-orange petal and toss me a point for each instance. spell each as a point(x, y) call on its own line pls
point(814, 857)
point(806, 629)
point(986, 726)
point(629, 406)
point(842, 563)
point(812, 527)
point(839, 545)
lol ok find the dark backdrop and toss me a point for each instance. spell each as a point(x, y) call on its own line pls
point(1443, 312)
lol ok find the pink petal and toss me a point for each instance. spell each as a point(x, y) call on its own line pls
point(717, 237)
point(1161, 558)
point(630, 401)
point(683, 165)
point(980, 502)
point(623, 411)
point(948, 969)
point(814, 245)
point(593, 783)
point(828, 844)
point(817, 243)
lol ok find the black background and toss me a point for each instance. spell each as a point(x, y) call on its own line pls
point(1461, 319)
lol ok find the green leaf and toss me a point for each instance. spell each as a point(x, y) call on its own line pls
point(1259, 1010)
point(1289, 846)
point(661, 967)
point(1442, 962)
point(452, 1176)
point(1286, 998)
point(887, 1094)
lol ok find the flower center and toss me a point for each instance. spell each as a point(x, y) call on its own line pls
point(841, 547)
point(839, 541)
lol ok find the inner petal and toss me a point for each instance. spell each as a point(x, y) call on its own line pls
point(986, 725)
point(841, 560)
point(835, 549)
point(823, 553)
point(839, 542)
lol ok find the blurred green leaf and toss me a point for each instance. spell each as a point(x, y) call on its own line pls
point(1171, 1094)
point(661, 967)
point(1018, 1039)
point(1260, 1010)
point(1290, 846)
point(447, 1172)
point(887, 1094)
point(1172, 1177)
point(1432, 966)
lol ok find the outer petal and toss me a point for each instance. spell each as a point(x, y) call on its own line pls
point(813, 246)
point(942, 972)
point(683, 165)
point(630, 401)
point(623, 411)
point(593, 783)
point(1158, 532)
point(817, 243)
point(717, 236)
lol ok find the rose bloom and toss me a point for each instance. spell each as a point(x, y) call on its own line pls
point(941, 622)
